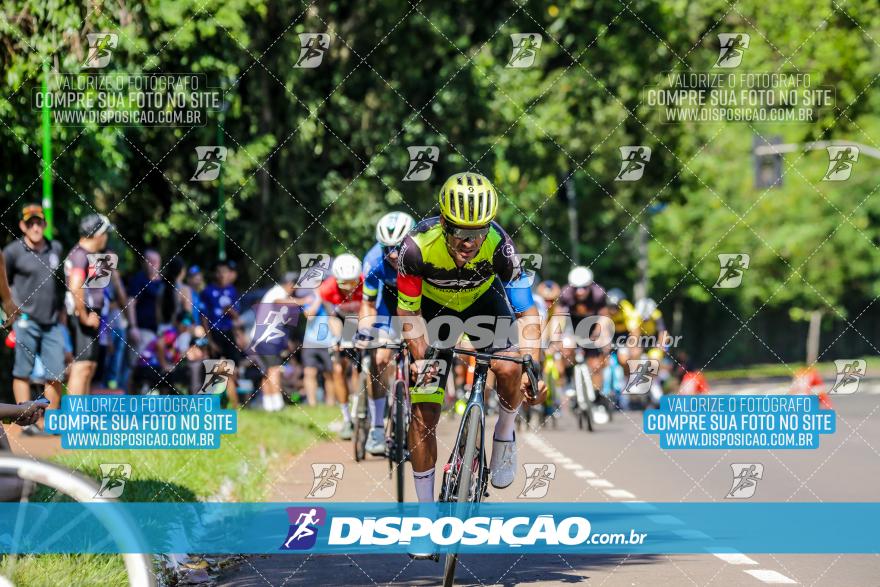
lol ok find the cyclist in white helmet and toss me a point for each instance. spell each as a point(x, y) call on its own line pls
point(583, 298)
point(339, 295)
point(380, 300)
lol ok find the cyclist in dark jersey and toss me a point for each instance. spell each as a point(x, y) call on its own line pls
point(463, 265)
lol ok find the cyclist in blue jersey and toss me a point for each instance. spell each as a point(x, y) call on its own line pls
point(380, 300)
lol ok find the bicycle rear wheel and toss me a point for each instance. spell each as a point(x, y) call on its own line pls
point(581, 381)
point(464, 473)
point(400, 436)
point(360, 412)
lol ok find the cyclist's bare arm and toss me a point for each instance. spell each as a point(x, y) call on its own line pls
point(417, 342)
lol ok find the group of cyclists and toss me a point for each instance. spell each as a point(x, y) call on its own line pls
point(463, 266)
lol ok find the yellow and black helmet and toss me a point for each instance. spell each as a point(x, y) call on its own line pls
point(468, 200)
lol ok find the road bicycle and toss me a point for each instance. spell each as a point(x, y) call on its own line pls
point(38, 482)
point(589, 407)
point(360, 413)
point(466, 473)
point(397, 417)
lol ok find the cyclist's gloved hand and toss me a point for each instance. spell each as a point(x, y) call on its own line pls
point(534, 396)
point(363, 337)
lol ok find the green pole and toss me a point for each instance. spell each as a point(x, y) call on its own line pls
point(47, 154)
point(221, 199)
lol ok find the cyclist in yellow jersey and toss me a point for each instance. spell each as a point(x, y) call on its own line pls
point(463, 265)
point(644, 323)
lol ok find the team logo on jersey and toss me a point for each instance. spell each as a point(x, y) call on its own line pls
point(421, 162)
point(745, 480)
point(733, 45)
point(314, 268)
point(326, 478)
point(101, 46)
point(217, 374)
point(733, 266)
point(304, 525)
point(634, 158)
point(313, 46)
point(525, 49)
point(101, 266)
point(113, 478)
point(840, 162)
point(210, 158)
point(849, 375)
point(641, 375)
point(538, 478)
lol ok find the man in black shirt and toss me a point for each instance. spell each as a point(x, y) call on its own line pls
point(85, 302)
point(32, 266)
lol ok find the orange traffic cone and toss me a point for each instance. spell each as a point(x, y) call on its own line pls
point(808, 381)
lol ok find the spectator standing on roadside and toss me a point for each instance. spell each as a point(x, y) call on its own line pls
point(221, 320)
point(32, 263)
point(270, 337)
point(144, 288)
point(84, 303)
point(196, 283)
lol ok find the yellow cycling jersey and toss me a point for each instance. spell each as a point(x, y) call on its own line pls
point(631, 320)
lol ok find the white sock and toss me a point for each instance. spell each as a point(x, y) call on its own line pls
point(346, 412)
point(505, 424)
point(424, 485)
point(377, 408)
point(279, 402)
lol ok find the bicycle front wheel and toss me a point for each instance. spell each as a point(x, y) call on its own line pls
point(467, 472)
point(49, 484)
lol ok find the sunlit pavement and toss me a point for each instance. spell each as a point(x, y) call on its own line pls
point(616, 463)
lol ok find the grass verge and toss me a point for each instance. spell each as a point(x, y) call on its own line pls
point(234, 472)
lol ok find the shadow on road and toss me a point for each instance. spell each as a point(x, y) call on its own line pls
point(395, 569)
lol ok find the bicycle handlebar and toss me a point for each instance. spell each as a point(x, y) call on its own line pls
point(530, 366)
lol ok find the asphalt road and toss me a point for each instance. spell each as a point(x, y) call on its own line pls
point(616, 463)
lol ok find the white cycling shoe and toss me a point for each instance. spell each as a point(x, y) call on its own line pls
point(376, 442)
point(503, 463)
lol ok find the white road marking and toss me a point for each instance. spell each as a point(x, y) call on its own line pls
point(572, 467)
point(735, 558)
point(584, 474)
point(619, 493)
point(768, 576)
point(600, 483)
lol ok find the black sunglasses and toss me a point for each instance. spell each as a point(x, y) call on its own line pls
point(466, 233)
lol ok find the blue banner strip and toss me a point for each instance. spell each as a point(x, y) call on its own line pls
point(574, 528)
